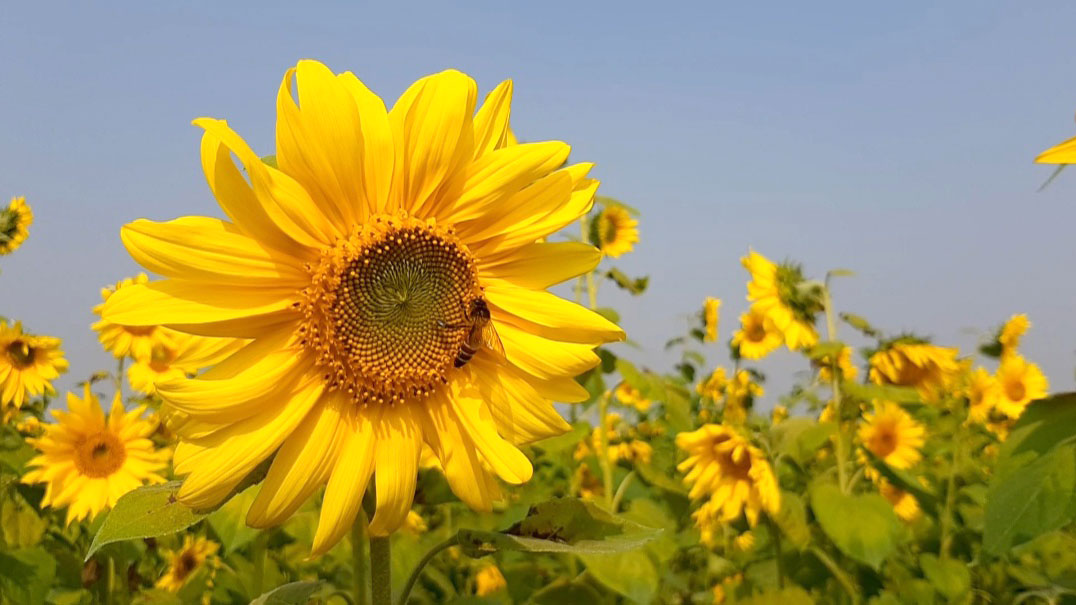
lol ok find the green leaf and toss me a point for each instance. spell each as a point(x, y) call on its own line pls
point(26, 575)
point(20, 523)
point(295, 593)
point(785, 596)
point(229, 522)
point(630, 574)
point(149, 511)
point(800, 438)
point(1030, 500)
point(561, 592)
point(863, 526)
point(561, 525)
point(792, 520)
point(905, 481)
point(609, 313)
point(569, 440)
point(635, 286)
point(949, 577)
point(1045, 424)
point(157, 596)
point(870, 392)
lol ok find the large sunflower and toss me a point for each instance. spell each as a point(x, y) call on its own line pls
point(130, 341)
point(28, 365)
point(734, 474)
point(1019, 383)
point(892, 435)
point(910, 362)
point(360, 264)
point(88, 460)
point(15, 223)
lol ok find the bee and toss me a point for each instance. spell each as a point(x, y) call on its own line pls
point(480, 333)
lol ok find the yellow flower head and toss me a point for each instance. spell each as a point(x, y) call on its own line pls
point(15, 222)
point(734, 474)
point(415, 524)
point(710, 310)
point(30, 426)
point(983, 393)
point(1019, 383)
point(183, 563)
point(776, 293)
point(892, 435)
point(845, 367)
point(1011, 332)
point(489, 580)
point(617, 231)
point(88, 460)
point(714, 385)
point(130, 341)
point(758, 336)
point(904, 503)
point(28, 365)
point(185, 356)
point(780, 414)
point(911, 363)
point(388, 268)
point(631, 396)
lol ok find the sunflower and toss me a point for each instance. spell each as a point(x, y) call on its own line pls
point(779, 415)
point(88, 461)
point(892, 435)
point(360, 264)
point(489, 580)
point(184, 562)
point(777, 292)
point(714, 385)
point(415, 524)
point(1010, 333)
point(130, 341)
point(845, 367)
point(983, 393)
point(184, 356)
point(904, 503)
point(631, 396)
point(15, 223)
point(744, 542)
point(1019, 383)
point(734, 474)
point(28, 364)
point(910, 362)
point(710, 308)
point(617, 232)
point(758, 336)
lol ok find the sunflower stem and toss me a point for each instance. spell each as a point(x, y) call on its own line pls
point(257, 557)
point(621, 489)
point(950, 495)
point(835, 385)
point(603, 452)
point(592, 291)
point(110, 579)
point(380, 571)
point(358, 559)
point(417, 573)
point(841, 577)
point(776, 532)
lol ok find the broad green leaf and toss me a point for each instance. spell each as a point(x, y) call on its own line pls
point(949, 577)
point(1045, 424)
point(561, 592)
point(26, 575)
point(799, 438)
point(629, 574)
point(229, 522)
point(21, 525)
point(149, 511)
point(905, 481)
point(561, 525)
point(295, 593)
point(1030, 500)
point(785, 596)
point(157, 596)
point(863, 526)
point(792, 520)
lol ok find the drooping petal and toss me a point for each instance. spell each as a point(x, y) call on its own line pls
point(347, 484)
point(398, 438)
point(457, 454)
point(521, 414)
point(378, 155)
point(549, 315)
point(543, 357)
point(477, 420)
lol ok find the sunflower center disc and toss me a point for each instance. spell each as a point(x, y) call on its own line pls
point(386, 311)
point(100, 455)
point(21, 354)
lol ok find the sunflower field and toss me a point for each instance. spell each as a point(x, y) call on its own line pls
point(385, 375)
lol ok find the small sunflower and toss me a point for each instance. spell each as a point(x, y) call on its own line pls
point(777, 292)
point(983, 393)
point(1010, 333)
point(489, 580)
point(617, 231)
point(758, 336)
point(28, 365)
point(714, 385)
point(15, 223)
point(710, 310)
point(779, 415)
point(388, 270)
point(845, 367)
point(88, 460)
point(184, 356)
point(130, 341)
point(910, 362)
point(631, 396)
point(891, 434)
point(1019, 383)
point(184, 562)
point(415, 524)
point(732, 473)
point(904, 503)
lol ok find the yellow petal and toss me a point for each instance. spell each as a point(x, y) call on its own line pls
point(457, 454)
point(517, 212)
point(549, 315)
point(173, 301)
point(378, 155)
point(1063, 153)
point(540, 266)
point(494, 177)
point(398, 445)
point(545, 358)
point(477, 420)
point(578, 204)
point(343, 494)
point(521, 414)
point(491, 120)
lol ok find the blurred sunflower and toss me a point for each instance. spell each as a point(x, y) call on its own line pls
point(1062, 153)
point(710, 308)
point(184, 355)
point(891, 434)
point(1011, 332)
point(184, 562)
point(617, 232)
point(631, 396)
point(777, 291)
point(734, 474)
point(911, 362)
point(1019, 383)
point(779, 414)
point(904, 503)
point(415, 524)
point(360, 267)
point(28, 364)
point(15, 222)
point(982, 392)
point(714, 385)
point(130, 341)
point(744, 542)
point(88, 461)
point(758, 336)
point(489, 580)
point(847, 370)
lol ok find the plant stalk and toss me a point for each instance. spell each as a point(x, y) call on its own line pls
point(417, 573)
point(380, 571)
point(257, 557)
point(358, 558)
point(835, 385)
point(603, 451)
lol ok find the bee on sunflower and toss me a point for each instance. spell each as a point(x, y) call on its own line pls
point(15, 221)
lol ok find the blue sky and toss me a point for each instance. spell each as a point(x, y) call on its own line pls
point(892, 139)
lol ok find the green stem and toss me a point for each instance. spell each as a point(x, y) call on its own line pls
point(835, 385)
point(776, 532)
point(592, 291)
point(583, 228)
point(422, 565)
point(950, 497)
point(110, 579)
point(380, 571)
point(603, 451)
point(257, 557)
point(841, 577)
point(358, 558)
point(623, 487)
point(119, 376)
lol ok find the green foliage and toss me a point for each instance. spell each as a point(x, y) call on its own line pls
point(635, 286)
point(146, 512)
point(295, 593)
point(949, 577)
point(862, 526)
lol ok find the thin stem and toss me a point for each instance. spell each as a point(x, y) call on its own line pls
point(380, 571)
point(257, 557)
point(841, 577)
point(110, 579)
point(358, 558)
point(950, 497)
point(592, 290)
point(583, 229)
point(776, 532)
point(422, 565)
point(623, 487)
point(835, 385)
point(603, 451)
point(119, 376)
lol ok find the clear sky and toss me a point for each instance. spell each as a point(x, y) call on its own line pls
point(894, 139)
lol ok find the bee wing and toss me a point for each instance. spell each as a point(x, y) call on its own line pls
point(491, 340)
